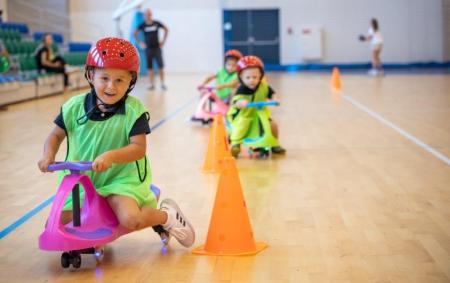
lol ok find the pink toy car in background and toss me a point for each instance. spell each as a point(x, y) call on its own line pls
point(209, 105)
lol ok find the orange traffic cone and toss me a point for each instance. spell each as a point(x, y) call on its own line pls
point(230, 231)
point(336, 80)
point(217, 146)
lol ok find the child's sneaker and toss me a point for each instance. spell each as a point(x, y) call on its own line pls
point(235, 150)
point(177, 225)
point(278, 150)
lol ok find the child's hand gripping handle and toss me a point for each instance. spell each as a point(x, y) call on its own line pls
point(203, 88)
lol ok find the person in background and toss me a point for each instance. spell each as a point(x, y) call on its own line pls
point(153, 46)
point(226, 78)
point(253, 88)
point(49, 61)
point(376, 44)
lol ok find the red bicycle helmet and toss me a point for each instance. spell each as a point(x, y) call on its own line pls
point(233, 53)
point(112, 52)
point(250, 62)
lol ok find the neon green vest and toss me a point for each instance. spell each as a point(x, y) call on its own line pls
point(242, 120)
point(89, 140)
point(223, 77)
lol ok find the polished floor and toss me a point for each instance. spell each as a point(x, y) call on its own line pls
point(354, 199)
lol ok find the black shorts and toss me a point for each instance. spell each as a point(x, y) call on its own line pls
point(154, 53)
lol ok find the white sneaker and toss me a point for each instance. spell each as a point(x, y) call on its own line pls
point(372, 72)
point(177, 225)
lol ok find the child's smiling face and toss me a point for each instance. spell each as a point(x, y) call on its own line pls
point(251, 77)
point(111, 84)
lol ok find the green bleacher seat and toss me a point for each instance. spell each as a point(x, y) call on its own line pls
point(10, 35)
point(75, 58)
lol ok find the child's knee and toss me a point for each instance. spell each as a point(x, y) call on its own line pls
point(273, 124)
point(130, 221)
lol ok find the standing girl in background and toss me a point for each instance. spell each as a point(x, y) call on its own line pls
point(376, 43)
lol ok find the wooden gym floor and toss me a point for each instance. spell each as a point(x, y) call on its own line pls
point(361, 195)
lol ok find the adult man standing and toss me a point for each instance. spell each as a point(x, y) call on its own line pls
point(152, 45)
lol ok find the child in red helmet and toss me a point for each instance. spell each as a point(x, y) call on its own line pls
point(252, 89)
point(226, 78)
point(109, 127)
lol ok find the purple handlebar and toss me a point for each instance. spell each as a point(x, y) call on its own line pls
point(206, 88)
point(72, 166)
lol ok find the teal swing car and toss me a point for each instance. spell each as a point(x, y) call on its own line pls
point(259, 139)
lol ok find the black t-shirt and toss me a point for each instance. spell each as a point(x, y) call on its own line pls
point(141, 125)
point(151, 33)
point(38, 56)
point(242, 89)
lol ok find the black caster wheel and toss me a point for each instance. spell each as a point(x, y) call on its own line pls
point(163, 234)
point(76, 260)
point(259, 153)
point(264, 153)
point(65, 260)
point(165, 238)
point(206, 122)
point(99, 253)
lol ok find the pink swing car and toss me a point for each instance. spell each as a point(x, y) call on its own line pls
point(209, 105)
point(92, 227)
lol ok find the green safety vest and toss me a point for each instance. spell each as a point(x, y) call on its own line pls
point(243, 121)
point(89, 140)
point(223, 77)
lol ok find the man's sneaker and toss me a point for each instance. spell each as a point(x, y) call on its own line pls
point(177, 225)
point(278, 150)
point(235, 150)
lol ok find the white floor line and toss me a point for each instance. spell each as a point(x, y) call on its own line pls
point(399, 130)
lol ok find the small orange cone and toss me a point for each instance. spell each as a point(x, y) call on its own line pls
point(336, 80)
point(217, 146)
point(230, 232)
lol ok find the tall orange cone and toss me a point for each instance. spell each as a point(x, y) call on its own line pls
point(336, 80)
point(230, 231)
point(217, 146)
